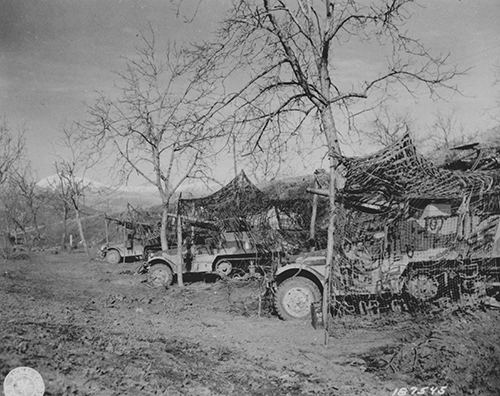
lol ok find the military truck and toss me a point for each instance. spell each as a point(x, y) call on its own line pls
point(229, 254)
point(130, 249)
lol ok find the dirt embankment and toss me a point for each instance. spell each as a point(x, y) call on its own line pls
point(95, 329)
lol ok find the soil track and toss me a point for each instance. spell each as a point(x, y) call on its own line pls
point(94, 329)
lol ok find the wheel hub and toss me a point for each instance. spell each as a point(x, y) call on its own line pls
point(298, 301)
point(159, 277)
point(423, 287)
point(112, 257)
point(224, 268)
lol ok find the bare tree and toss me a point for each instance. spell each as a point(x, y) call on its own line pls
point(60, 199)
point(495, 110)
point(491, 136)
point(28, 196)
point(447, 132)
point(71, 172)
point(387, 128)
point(291, 52)
point(11, 149)
point(160, 126)
point(16, 217)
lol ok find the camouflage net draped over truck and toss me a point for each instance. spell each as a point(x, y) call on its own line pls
point(273, 222)
point(406, 225)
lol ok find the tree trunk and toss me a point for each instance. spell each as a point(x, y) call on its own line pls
point(312, 227)
point(65, 227)
point(163, 228)
point(331, 134)
point(38, 235)
point(80, 230)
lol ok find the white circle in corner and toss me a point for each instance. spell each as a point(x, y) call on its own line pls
point(23, 381)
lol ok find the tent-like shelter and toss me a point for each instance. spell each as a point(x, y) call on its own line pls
point(238, 199)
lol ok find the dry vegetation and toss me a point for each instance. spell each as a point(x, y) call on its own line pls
point(94, 329)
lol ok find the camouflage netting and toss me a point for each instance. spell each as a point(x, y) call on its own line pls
point(277, 217)
point(239, 198)
point(398, 174)
point(406, 225)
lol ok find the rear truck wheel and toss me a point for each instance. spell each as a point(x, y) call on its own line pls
point(113, 256)
point(160, 275)
point(294, 298)
point(224, 268)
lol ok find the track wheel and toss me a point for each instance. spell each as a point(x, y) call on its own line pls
point(160, 275)
point(294, 298)
point(113, 256)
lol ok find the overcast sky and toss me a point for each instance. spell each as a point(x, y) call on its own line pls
point(54, 55)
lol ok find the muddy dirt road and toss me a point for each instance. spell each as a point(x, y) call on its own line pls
point(94, 329)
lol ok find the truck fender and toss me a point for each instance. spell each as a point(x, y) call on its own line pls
point(161, 260)
point(118, 249)
point(290, 271)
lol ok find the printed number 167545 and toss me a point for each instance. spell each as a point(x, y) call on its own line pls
point(423, 390)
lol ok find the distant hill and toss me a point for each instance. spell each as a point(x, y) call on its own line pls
point(104, 198)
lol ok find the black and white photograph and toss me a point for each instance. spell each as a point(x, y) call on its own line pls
point(249, 197)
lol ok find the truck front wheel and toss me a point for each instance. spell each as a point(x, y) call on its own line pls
point(160, 275)
point(294, 298)
point(113, 256)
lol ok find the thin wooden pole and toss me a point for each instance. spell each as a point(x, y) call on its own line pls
point(180, 266)
point(106, 226)
point(312, 228)
point(124, 243)
point(330, 259)
point(278, 220)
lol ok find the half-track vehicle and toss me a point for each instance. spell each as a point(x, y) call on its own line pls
point(407, 231)
point(230, 254)
point(423, 274)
